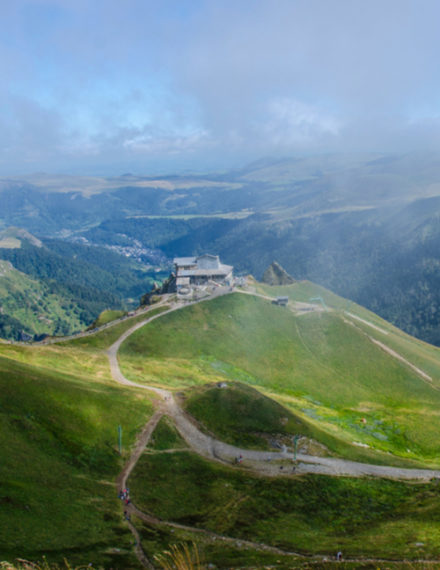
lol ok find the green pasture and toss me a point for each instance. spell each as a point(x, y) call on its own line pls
point(241, 415)
point(158, 541)
point(83, 357)
point(166, 437)
point(77, 360)
point(58, 462)
point(105, 338)
point(107, 316)
point(315, 375)
point(308, 514)
point(328, 370)
point(59, 412)
point(421, 354)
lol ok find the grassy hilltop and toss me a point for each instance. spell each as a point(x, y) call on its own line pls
point(319, 365)
point(317, 374)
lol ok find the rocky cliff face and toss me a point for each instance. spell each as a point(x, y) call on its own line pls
point(168, 286)
point(276, 275)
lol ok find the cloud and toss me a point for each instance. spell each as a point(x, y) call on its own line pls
point(195, 82)
point(291, 122)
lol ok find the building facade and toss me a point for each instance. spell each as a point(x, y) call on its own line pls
point(201, 270)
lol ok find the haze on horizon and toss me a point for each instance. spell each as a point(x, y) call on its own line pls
point(143, 86)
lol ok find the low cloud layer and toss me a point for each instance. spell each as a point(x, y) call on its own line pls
point(139, 85)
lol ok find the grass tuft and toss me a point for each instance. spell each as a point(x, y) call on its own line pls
point(180, 557)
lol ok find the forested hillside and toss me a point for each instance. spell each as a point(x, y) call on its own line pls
point(58, 288)
point(366, 226)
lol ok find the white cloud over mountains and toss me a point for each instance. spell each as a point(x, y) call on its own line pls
point(111, 86)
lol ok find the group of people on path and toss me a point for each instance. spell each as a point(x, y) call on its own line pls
point(124, 495)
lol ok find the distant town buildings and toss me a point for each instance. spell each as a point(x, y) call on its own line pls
point(201, 270)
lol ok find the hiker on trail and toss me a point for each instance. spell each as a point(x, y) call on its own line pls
point(126, 515)
point(339, 556)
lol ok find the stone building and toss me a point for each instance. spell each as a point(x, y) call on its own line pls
point(201, 270)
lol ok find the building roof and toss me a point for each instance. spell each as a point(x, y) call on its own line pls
point(222, 270)
point(184, 260)
point(207, 256)
point(205, 265)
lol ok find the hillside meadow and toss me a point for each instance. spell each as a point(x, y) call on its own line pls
point(318, 375)
point(309, 515)
point(319, 365)
point(59, 413)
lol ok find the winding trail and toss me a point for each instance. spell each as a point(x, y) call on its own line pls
point(280, 463)
point(259, 461)
point(208, 535)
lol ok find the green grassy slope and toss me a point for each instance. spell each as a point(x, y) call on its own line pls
point(35, 305)
point(421, 354)
point(57, 288)
point(107, 316)
point(309, 514)
point(317, 374)
point(318, 365)
point(59, 416)
point(240, 415)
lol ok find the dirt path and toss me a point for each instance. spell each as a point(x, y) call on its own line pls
point(143, 439)
point(121, 482)
point(389, 350)
point(140, 554)
point(383, 331)
point(131, 509)
point(297, 307)
point(396, 355)
point(263, 462)
point(209, 536)
point(276, 463)
point(266, 463)
point(213, 536)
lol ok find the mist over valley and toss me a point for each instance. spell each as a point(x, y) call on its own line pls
point(365, 226)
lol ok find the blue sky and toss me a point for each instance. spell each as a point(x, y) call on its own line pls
point(107, 87)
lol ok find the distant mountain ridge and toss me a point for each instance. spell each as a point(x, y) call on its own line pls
point(366, 226)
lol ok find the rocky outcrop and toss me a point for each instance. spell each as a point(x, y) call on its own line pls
point(168, 286)
point(276, 275)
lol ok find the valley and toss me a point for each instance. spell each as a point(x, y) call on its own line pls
point(219, 285)
point(364, 225)
point(250, 433)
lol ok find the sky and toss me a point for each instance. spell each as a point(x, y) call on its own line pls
point(107, 87)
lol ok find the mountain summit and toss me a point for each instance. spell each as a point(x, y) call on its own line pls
point(277, 275)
